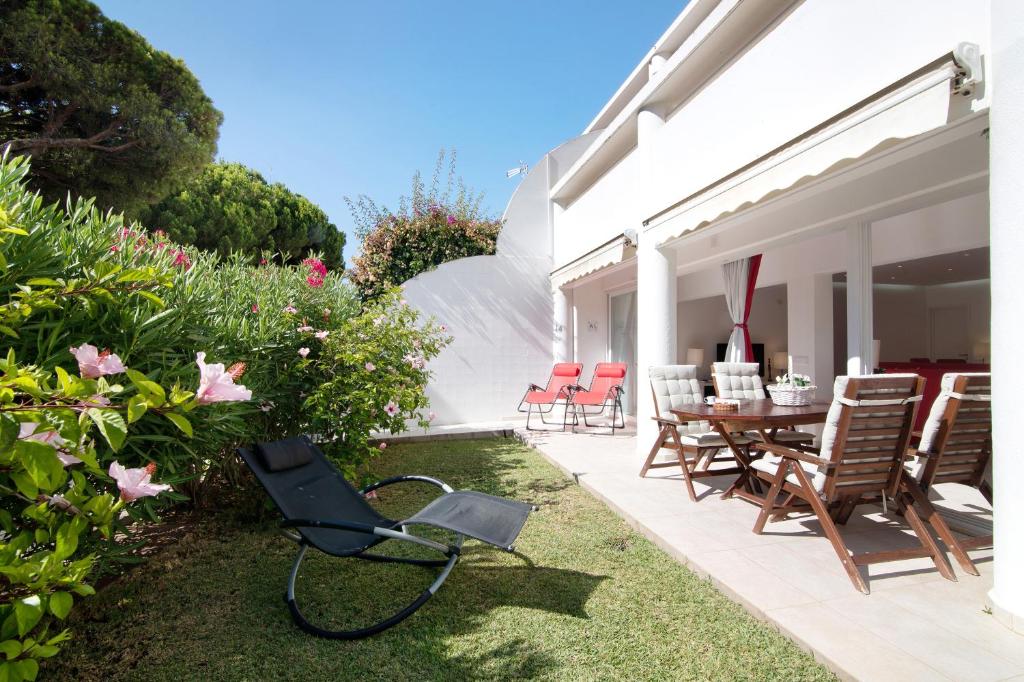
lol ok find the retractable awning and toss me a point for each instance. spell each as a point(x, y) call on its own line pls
point(612, 252)
point(918, 103)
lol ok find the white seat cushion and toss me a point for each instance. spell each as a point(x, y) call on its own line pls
point(770, 465)
point(784, 436)
point(711, 439)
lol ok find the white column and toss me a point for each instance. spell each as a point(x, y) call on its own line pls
point(859, 300)
point(562, 347)
point(809, 334)
point(656, 328)
point(1006, 196)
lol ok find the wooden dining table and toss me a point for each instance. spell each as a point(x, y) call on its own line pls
point(763, 416)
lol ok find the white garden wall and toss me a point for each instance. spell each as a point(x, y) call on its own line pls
point(498, 308)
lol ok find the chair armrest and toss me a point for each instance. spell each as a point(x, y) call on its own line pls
point(667, 422)
point(367, 529)
point(534, 387)
point(404, 479)
point(783, 451)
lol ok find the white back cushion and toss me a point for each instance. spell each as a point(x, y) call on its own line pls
point(934, 421)
point(675, 386)
point(739, 380)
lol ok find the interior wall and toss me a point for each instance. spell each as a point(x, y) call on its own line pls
point(902, 318)
point(705, 322)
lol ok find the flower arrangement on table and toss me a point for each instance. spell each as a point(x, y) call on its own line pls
point(792, 389)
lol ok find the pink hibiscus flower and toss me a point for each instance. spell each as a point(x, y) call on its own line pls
point(303, 351)
point(370, 366)
point(391, 408)
point(321, 335)
point(217, 385)
point(290, 309)
point(93, 364)
point(136, 483)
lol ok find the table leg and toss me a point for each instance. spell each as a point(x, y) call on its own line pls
point(741, 457)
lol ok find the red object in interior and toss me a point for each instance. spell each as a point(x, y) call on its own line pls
point(932, 373)
point(755, 265)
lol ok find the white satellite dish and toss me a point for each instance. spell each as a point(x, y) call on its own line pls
point(521, 170)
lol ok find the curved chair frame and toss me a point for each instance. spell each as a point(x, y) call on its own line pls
point(451, 552)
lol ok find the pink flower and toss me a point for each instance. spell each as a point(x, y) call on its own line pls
point(451, 220)
point(217, 385)
point(255, 308)
point(92, 364)
point(370, 367)
point(97, 401)
point(315, 282)
point(263, 261)
point(303, 351)
point(391, 408)
point(316, 266)
point(290, 309)
point(372, 495)
point(415, 361)
point(444, 328)
point(27, 431)
point(135, 483)
point(403, 302)
point(321, 335)
point(431, 416)
point(115, 248)
point(383, 445)
point(304, 328)
point(181, 258)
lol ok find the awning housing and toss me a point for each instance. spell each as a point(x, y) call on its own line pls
point(919, 103)
point(612, 252)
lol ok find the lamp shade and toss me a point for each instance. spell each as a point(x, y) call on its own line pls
point(695, 356)
point(780, 360)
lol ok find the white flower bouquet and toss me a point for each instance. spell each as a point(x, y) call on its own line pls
point(792, 389)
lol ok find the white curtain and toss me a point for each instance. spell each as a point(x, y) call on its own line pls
point(736, 276)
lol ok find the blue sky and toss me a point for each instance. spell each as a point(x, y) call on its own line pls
point(347, 98)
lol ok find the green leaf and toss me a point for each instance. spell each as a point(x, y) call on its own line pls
point(153, 391)
point(111, 425)
point(10, 648)
point(61, 603)
point(43, 282)
point(67, 539)
point(28, 668)
point(150, 296)
point(9, 430)
point(181, 422)
point(137, 407)
point(27, 613)
point(40, 462)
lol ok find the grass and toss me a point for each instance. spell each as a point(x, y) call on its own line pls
point(586, 598)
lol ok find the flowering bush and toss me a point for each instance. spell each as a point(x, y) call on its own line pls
point(375, 373)
point(429, 228)
point(126, 356)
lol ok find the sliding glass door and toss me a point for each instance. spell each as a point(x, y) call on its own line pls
point(622, 342)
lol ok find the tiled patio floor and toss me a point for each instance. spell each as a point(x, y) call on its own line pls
point(915, 625)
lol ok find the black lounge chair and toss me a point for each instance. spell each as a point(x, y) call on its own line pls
point(321, 509)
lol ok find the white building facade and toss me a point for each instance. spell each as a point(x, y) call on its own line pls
point(845, 142)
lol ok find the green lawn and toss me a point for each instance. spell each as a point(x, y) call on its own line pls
point(587, 598)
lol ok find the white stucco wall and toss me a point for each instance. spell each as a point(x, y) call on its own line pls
point(498, 308)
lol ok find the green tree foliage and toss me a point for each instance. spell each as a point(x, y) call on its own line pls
point(231, 208)
point(431, 226)
point(101, 112)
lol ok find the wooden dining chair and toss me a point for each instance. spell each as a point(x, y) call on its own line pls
point(956, 441)
point(696, 445)
point(862, 455)
point(742, 381)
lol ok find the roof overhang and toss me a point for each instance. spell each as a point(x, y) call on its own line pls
point(925, 100)
point(601, 259)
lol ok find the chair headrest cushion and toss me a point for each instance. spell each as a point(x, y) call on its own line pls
point(285, 454)
point(567, 369)
point(614, 370)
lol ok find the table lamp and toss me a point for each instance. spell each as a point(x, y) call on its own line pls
point(780, 364)
point(695, 356)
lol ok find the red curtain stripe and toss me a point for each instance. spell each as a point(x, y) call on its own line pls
point(755, 265)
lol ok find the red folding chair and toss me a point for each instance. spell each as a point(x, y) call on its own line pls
point(605, 391)
point(563, 381)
